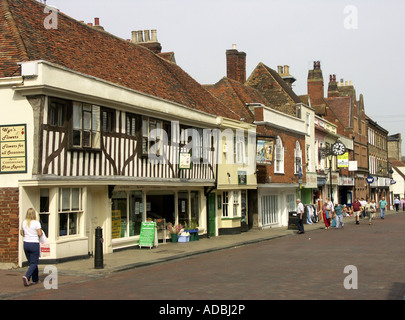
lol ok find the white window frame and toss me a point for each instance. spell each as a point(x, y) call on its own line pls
point(297, 155)
point(69, 211)
point(279, 157)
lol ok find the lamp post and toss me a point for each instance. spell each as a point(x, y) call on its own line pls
point(337, 149)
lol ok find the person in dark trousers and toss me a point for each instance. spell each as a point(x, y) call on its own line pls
point(300, 214)
point(31, 231)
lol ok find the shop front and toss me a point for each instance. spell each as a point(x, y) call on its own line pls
point(131, 206)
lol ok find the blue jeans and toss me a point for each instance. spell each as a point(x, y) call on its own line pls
point(32, 252)
point(382, 210)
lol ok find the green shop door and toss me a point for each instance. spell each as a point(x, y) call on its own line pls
point(211, 214)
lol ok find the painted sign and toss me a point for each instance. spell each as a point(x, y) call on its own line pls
point(13, 149)
point(264, 151)
point(147, 236)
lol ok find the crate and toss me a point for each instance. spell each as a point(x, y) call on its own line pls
point(183, 239)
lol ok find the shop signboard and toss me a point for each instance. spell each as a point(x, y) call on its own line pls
point(13, 147)
point(148, 234)
point(343, 160)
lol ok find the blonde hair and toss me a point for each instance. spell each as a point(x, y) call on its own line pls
point(31, 215)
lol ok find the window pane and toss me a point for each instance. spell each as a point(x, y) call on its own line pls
point(86, 139)
point(65, 200)
point(119, 215)
point(75, 199)
point(194, 207)
point(77, 116)
point(95, 118)
point(63, 221)
point(44, 220)
point(145, 129)
point(44, 200)
point(86, 120)
point(183, 208)
point(135, 214)
point(77, 138)
point(72, 223)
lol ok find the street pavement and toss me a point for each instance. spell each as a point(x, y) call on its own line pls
point(81, 272)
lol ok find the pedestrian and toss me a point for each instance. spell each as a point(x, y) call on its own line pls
point(363, 205)
point(369, 209)
point(300, 213)
point(396, 203)
point(356, 210)
point(339, 215)
point(382, 204)
point(31, 231)
point(325, 213)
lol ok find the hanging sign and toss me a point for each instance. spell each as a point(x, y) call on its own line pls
point(13, 149)
point(148, 234)
point(343, 160)
point(370, 179)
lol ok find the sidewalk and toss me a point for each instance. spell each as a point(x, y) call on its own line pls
point(82, 270)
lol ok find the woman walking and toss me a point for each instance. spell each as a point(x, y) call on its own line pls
point(326, 215)
point(31, 231)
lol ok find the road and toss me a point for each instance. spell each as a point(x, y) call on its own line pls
point(308, 266)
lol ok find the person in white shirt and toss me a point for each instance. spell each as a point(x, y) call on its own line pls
point(31, 231)
point(300, 213)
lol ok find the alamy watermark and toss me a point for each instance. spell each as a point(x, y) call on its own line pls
point(51, 21)
point(351, 21)
point(51, 281)
point(351, 281)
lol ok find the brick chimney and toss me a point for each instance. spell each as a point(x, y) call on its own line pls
point(315, 84)
point(236, 65)
point(148, 39)
point(333, 87)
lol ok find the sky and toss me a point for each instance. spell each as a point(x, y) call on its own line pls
point(360, 40)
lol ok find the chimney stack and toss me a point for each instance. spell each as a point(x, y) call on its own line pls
point(236, 65)
point(97, 24)
point(147, 39)
point(333, 90)
point(315, 84)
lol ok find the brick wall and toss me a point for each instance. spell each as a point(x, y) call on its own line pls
point(9, 225)
point(289, 140)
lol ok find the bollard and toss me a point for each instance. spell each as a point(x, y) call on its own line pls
point(98, 250)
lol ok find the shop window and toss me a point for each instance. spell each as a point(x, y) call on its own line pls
point(86, 126)
point(44, 210)
point(127, 211)
point(70, 211)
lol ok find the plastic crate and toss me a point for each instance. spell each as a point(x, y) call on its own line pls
point(183, 239)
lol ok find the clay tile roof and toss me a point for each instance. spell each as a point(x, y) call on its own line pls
point(94, 52)
point(342, 108)
point(237, 95)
